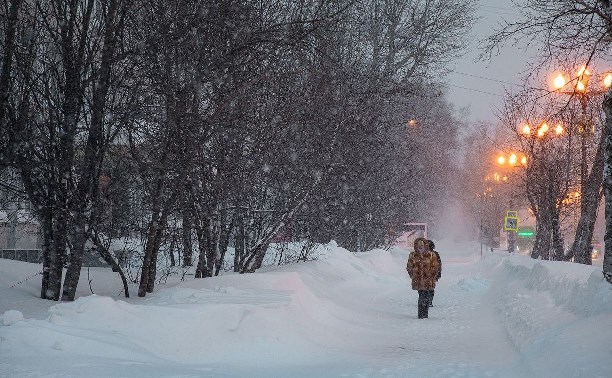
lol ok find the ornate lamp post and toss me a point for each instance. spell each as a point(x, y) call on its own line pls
point(580, 88)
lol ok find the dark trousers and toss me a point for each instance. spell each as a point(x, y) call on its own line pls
point(425, 297)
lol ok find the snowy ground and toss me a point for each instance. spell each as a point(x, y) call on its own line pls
point(344, 315)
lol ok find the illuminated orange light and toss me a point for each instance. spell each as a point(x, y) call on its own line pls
point(524, 160)
point(584, 71)
point(526, 130)
point(559, 81)
point(559, 129)
point(501, 160)
point(512, 159)
point(542, 130)
point(580, 86)
point(608, 80)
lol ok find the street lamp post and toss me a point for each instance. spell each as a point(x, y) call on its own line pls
point(589, 184)
point(585, 125)
point(511, 160)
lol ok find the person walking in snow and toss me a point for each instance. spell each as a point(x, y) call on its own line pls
point(432, 247)
point(422, 267)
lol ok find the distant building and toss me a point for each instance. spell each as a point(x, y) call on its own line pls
point(19, 230)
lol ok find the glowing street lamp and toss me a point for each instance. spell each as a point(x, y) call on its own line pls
point(542, 130)
point(559, 81)
point(608, 81)
point(582, 79)
point(512, 159)
point(526, 130)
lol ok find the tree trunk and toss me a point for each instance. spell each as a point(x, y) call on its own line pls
point(154, 237)
point(187, 244)
point(47, 231)
point(225, 231)
point(172, 245)
point(558, 250)
point(156, 246)
point(94, 152)
point(5, 77)
point(75, 261)
point(148, 253)
point(541, 246)
point(205, 266)
point(106, 255)
point(581, 248)
point(256, 255)
point(239, 241)
point(212, 248)
point(607, 186)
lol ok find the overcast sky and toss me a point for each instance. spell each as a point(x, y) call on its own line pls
point(480, 85)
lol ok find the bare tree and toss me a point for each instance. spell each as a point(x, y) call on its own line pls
point(607, 186)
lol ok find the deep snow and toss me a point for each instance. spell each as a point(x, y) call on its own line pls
point(343, 315)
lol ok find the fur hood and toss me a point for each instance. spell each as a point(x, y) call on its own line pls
point(425, 241)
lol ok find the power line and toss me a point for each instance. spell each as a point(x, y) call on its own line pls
point(475, 90)
point(501, 81)
point(486, 78)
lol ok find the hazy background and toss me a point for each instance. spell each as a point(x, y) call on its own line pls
point(477, 85)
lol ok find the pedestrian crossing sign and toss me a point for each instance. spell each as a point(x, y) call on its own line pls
point(510, 223)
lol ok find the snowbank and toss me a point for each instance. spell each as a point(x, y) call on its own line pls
point(344, 314)
point(557, 314)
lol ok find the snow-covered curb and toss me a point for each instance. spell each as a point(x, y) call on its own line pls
point(546, 306)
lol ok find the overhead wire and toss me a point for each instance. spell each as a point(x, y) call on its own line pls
point(486, 78)
point(494, 80)
point(475, 90)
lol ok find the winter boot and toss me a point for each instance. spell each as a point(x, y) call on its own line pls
point(423, 310)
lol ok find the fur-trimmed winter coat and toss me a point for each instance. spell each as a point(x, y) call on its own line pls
point(423, 268)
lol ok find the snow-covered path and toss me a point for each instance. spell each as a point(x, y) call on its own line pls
point(462, 336)
point(344, 315)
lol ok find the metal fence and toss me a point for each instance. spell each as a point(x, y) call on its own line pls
point(26, 255)
point(35, 256)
